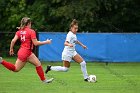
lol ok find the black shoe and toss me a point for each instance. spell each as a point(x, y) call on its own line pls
point(48, 69)
point(86, 80)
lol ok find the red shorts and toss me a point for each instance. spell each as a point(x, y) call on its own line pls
point(23, 54)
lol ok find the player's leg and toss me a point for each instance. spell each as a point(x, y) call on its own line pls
point(19, 65)
point(64, 68)
point(34, 60)
point(77, 58)
point(15, 68)
point(7, 65)
point(66, 64)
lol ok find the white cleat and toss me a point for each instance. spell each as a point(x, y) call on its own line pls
point(48, 80)
point(0, 60)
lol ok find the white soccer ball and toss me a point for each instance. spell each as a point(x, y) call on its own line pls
point(92, 78)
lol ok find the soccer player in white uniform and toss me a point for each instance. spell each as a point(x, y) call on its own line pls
point(70, 53)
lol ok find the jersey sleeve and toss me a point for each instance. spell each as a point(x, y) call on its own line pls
point(33, 35)
point(68, 38)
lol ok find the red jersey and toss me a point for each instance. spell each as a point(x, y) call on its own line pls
point(26, 35)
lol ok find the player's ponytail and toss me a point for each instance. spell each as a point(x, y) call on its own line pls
point(74, 22)
point(24, 22)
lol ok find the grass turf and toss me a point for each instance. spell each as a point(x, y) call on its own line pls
point(113, 78)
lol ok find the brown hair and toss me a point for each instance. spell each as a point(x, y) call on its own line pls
point(24, 22)
point(74, 22)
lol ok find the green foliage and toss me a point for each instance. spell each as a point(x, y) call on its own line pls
point(36, 13)
point(14, 10)
point(94, 15)
point(11, 12)
point(56, 15)
point(119, 15)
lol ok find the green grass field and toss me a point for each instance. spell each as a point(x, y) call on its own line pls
point(113, 78)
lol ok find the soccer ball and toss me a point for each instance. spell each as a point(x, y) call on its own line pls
point(92, 78)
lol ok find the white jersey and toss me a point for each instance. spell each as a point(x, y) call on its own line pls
point(72, 39)
point(69, 52)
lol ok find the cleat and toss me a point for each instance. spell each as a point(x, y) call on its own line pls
point(0, 60)
point(86, 80)
point(48, 69)
point(48, 81)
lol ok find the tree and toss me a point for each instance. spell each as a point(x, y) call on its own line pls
point(56, 15)
point(94, 15)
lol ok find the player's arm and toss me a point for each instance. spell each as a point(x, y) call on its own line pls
point(78, 42)
point(37, 43)
point(68, 44)
point(11, 52)
point(68, 38)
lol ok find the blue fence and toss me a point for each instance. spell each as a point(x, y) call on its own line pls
point(104, 47)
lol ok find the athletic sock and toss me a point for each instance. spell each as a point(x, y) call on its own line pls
point(84, 69)
point(59, 68)
point(8, 65)
point(0, 60)
point(40, 73)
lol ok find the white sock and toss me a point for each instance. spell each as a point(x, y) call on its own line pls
point(84, 69)
point(0, 60)
point(59, 68)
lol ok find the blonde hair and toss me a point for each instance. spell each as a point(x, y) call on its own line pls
point(24, 22)
point(74, 22)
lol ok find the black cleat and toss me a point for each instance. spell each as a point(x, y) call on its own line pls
point(48, 69)
point(86, 80)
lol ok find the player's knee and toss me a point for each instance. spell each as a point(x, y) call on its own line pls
point(65, 69)
point(83, 63)
point(16, 70)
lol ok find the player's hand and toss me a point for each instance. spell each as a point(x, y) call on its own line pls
point(11, 52)
point(85, 47)
point(49, 41)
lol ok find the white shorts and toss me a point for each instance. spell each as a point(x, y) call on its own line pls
point(68, 55)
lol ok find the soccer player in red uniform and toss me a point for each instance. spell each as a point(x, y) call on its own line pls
point(27, 37)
